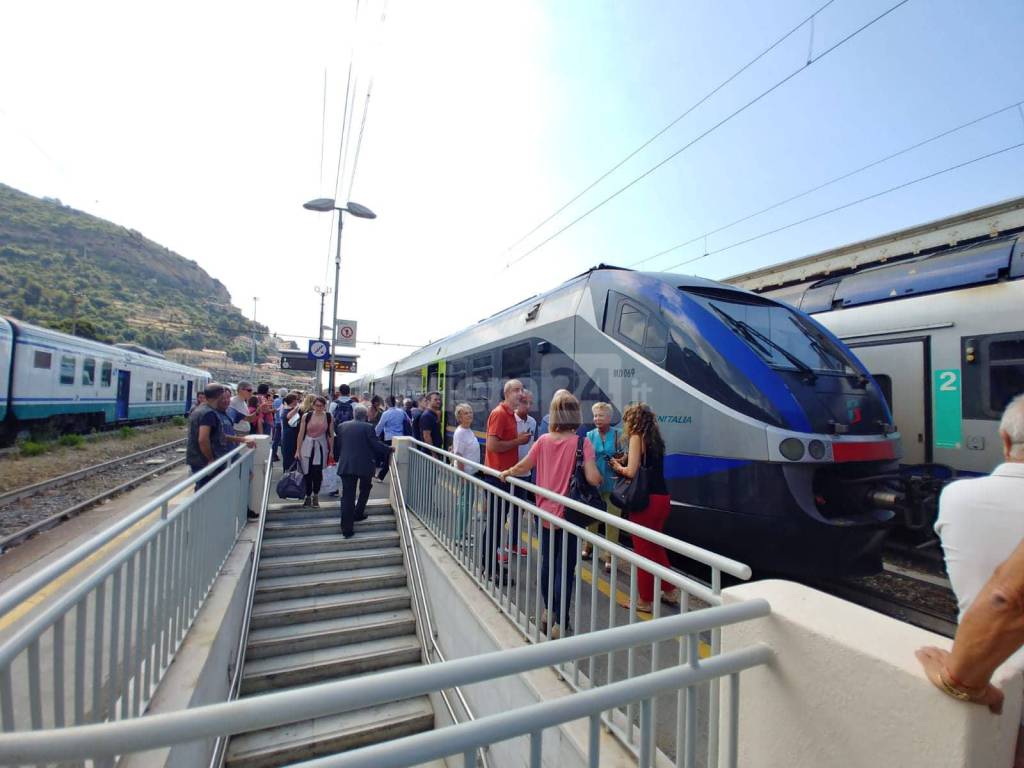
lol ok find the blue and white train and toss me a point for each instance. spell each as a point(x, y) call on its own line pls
point(74, 384)
point(774, 431)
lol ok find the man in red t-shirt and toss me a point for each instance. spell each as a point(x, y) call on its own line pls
point(501, 451)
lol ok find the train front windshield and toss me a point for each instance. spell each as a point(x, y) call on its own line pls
point(779, 335)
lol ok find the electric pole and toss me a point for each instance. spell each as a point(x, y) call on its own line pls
point(252, 357)
point(320, 335)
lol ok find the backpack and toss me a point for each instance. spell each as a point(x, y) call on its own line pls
point(342, 411)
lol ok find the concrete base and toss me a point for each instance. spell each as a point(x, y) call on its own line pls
point(469, 624)
point(201, 671)
point(845, 689)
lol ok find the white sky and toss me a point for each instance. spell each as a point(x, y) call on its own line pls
point(199, 124)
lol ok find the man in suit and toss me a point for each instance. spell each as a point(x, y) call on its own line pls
point(359, 453)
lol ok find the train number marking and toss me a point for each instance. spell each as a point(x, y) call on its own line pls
point(948, 381)
point(623, 373)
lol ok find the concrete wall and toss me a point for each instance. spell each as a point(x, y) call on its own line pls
point(846, 690)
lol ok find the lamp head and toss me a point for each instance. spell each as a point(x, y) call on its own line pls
point(361, 211)
point(321, 204)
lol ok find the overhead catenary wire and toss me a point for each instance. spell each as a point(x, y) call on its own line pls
point(366, 109)
point(850, 204)
point(828, 183)
point(674, 122)
point(713, 128)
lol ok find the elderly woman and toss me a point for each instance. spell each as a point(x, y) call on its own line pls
point(316, 435)
point(554, 457)
point(359, 452)
point(465, 446)
point(605, 439)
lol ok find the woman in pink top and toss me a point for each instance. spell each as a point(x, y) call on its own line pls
point(316, 436)
point(554, 457)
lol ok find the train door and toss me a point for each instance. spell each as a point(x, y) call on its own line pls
point(901, 369)
point(432, 377)
point(124, 385)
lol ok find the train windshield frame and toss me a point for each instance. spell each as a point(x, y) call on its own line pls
point(778, 334)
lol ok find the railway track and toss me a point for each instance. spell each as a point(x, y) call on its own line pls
point(31, 509)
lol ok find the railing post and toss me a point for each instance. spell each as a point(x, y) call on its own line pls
point(259, 469)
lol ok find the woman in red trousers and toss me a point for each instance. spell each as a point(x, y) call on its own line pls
point(644, 447)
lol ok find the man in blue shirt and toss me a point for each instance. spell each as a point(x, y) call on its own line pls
point(392, 423)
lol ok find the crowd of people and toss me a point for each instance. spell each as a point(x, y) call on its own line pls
point(980, 524)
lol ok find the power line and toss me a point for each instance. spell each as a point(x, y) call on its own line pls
point(366, 108)
point(686, 112)
point(831, 181)
point(804, 220)
point(713, 128)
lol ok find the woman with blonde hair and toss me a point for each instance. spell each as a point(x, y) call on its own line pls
point(645, 448)
point(554, 457)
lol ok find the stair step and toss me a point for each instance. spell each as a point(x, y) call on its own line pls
point(309, 636)
point(372, 506)
point(302, 609)
point(334, 542)
point(331, 510)
point(320, 562)
point(290, 528)
point(309, 739)
point(309, 667)
point(307, 585)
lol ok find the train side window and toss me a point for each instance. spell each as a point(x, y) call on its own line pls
point(456, 380)
point(67, 369)
point(42, 360)
point(106, 374)
point(1005, 372)
point(884, 383)
point(632, 323)
point(515, 362)
point(88, 371)
point(167, 392)
point(149, 391)
point(656, 341)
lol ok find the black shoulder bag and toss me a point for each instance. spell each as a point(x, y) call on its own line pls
point(633, 495)
point(582, 491)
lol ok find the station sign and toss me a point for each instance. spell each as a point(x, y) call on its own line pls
point(319, 349)
point(342, 365)
point(346, 333)
point(297, 361)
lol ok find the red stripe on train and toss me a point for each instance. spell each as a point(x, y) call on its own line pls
point(863, 451)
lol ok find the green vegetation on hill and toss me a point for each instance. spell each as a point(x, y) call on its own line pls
point(65, 269)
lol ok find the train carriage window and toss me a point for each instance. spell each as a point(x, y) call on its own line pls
point(42, 360)
point(167, 392)
point(67, 369)
point(106, 374)
point(993, 373)
point(88, 371)
point(632, 323)
point(515, 362)
point(149, 391)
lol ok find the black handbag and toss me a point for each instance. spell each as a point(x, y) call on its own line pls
point(632, 495)
point(582, 491)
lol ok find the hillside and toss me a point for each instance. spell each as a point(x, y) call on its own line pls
point(65, 269)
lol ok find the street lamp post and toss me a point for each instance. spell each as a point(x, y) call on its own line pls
point(252, 356)
point(324, 205)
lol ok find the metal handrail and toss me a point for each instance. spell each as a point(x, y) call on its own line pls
point(699, 554)
point(420, 604)
point(273, 709)
point(220, 747)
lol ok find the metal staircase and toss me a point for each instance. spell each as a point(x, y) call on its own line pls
point(327, 608)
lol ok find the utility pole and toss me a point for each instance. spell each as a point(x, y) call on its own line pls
point(252, 357)
point(320, 335)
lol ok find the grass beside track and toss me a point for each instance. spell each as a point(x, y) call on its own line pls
point(17, 471)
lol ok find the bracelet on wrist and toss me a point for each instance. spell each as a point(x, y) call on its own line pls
point(953, 687)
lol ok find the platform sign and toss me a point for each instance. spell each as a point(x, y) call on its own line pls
point(342, 365)
point(297, 361)
point(948, 416)
point(318, 349)
point(346, 336)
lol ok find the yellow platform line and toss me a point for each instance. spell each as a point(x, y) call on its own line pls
point(82, 569)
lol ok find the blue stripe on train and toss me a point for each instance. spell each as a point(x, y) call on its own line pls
point(680, 465)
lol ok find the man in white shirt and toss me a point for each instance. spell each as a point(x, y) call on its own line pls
point(238, 410)
point(525, 424)
point(981, 520)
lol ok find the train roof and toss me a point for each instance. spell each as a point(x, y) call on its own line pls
point(99, 348)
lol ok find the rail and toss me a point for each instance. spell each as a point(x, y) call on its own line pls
point(103, 742)
point(114, 627)
point(424, 623)
point(511, 547)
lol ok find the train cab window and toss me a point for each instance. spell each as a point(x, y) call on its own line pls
point(106, 374)
point(88, 371)
point(67, 370)
point(656, 341)
point(149, 391)
point(42, 360)
point(632, 322)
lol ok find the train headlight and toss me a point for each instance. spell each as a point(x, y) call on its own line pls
point(816, 449)
point(792, 449)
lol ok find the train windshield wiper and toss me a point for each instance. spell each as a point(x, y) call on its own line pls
point(824, 352)
point(758, 340)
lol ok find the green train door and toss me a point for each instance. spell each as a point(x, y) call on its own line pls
point(432, 378)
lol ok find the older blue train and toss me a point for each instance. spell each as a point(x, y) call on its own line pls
point(75, 384)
